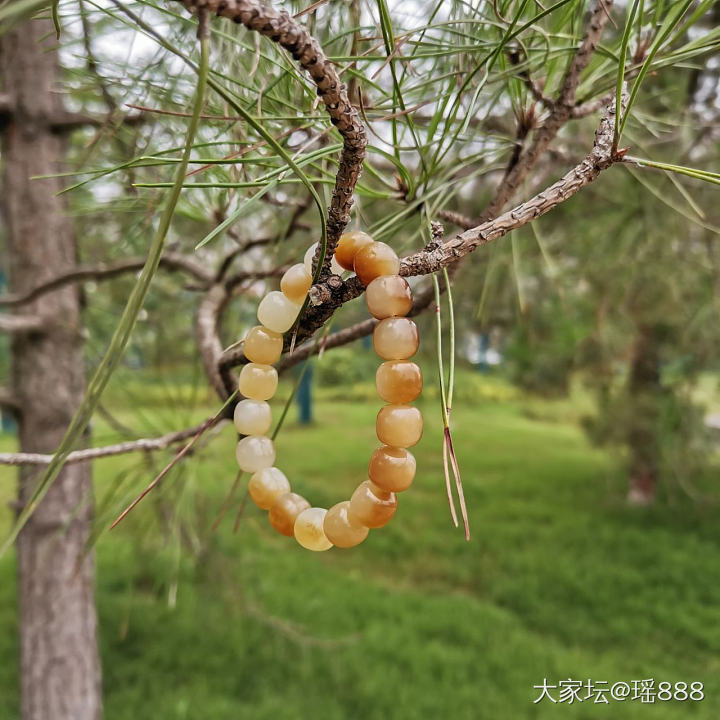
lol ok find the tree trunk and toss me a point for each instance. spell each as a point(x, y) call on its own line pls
point(644, 389)
point(59, 662)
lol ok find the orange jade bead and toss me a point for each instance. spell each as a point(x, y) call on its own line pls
point(396, 338)
point(263, 346)
point(398, 381)
point(374, 260)
point(348, 246)
point(392, 468)
point(266, 486)
point(388, 296)
point(340, 529)
point(295, 283)
point(399, 425)
point(372, 506)
point(284, 512)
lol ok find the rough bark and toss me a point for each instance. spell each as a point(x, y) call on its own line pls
point(644, 388)
point(281, 28)
point(59, 662)
point(561, 111)
point(327, 297)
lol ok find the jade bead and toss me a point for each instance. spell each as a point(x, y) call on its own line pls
point(398, 381)
point(374, 260)
point(276, 312)
point(252, 417)
point(388, 296)
point(267, 485)
point(262, 345)
point(335, 268)
point(285, 510)
point(308, 529)
point(392, 468)
point(399, 425)
point(255, 452)
point(258, 382)
point(348, 246)
point(372, 506)
point(295, 283)
point(396, 338)
point(340, 529)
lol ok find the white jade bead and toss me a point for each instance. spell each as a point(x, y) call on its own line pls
point(258, 382)
point(276, 312)
point(252, 417)
point(335, 267)
point(255, 452)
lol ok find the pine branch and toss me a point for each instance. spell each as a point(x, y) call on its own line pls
point(600, 158)
point(561, 110)
point(281, 28)
point(141, 444)
point(329, 296)
point(174, 262)
point(18, 324)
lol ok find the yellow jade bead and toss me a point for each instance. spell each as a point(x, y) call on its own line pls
point(398, 381)
point(263, 345)
point(396, 338)
point(277, 312)
point(388, 296)
point(399, 425)
point(295, 283)
point(308, 529)
point(258, 382)
point(348, 246)
point(372, 506)
point(285, 510)
point(254, 453)
point(252, 417)
point(374, 260)
point(266, 486)
point(392, 468)
point(335, 268)
point(340, 529)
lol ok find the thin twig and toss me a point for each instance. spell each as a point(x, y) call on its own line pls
point(185, 450)
point(174, 262)
point(19, 324)
point(560, 112)
point(228, 499)
point(88, 454)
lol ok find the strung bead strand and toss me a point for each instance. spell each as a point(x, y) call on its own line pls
point(398, 382)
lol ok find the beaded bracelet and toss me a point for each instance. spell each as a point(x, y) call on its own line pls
point(399, 425)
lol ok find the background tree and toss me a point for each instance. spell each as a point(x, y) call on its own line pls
point(60, 667)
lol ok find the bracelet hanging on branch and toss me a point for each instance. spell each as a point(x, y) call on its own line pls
point(399, 425)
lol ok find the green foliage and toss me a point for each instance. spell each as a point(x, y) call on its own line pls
point(629, 307)
point(344, 367)
point(541, 349)
point(560, 580)
point(670, 423)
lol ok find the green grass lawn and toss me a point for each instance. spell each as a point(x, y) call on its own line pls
point(561, 580)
